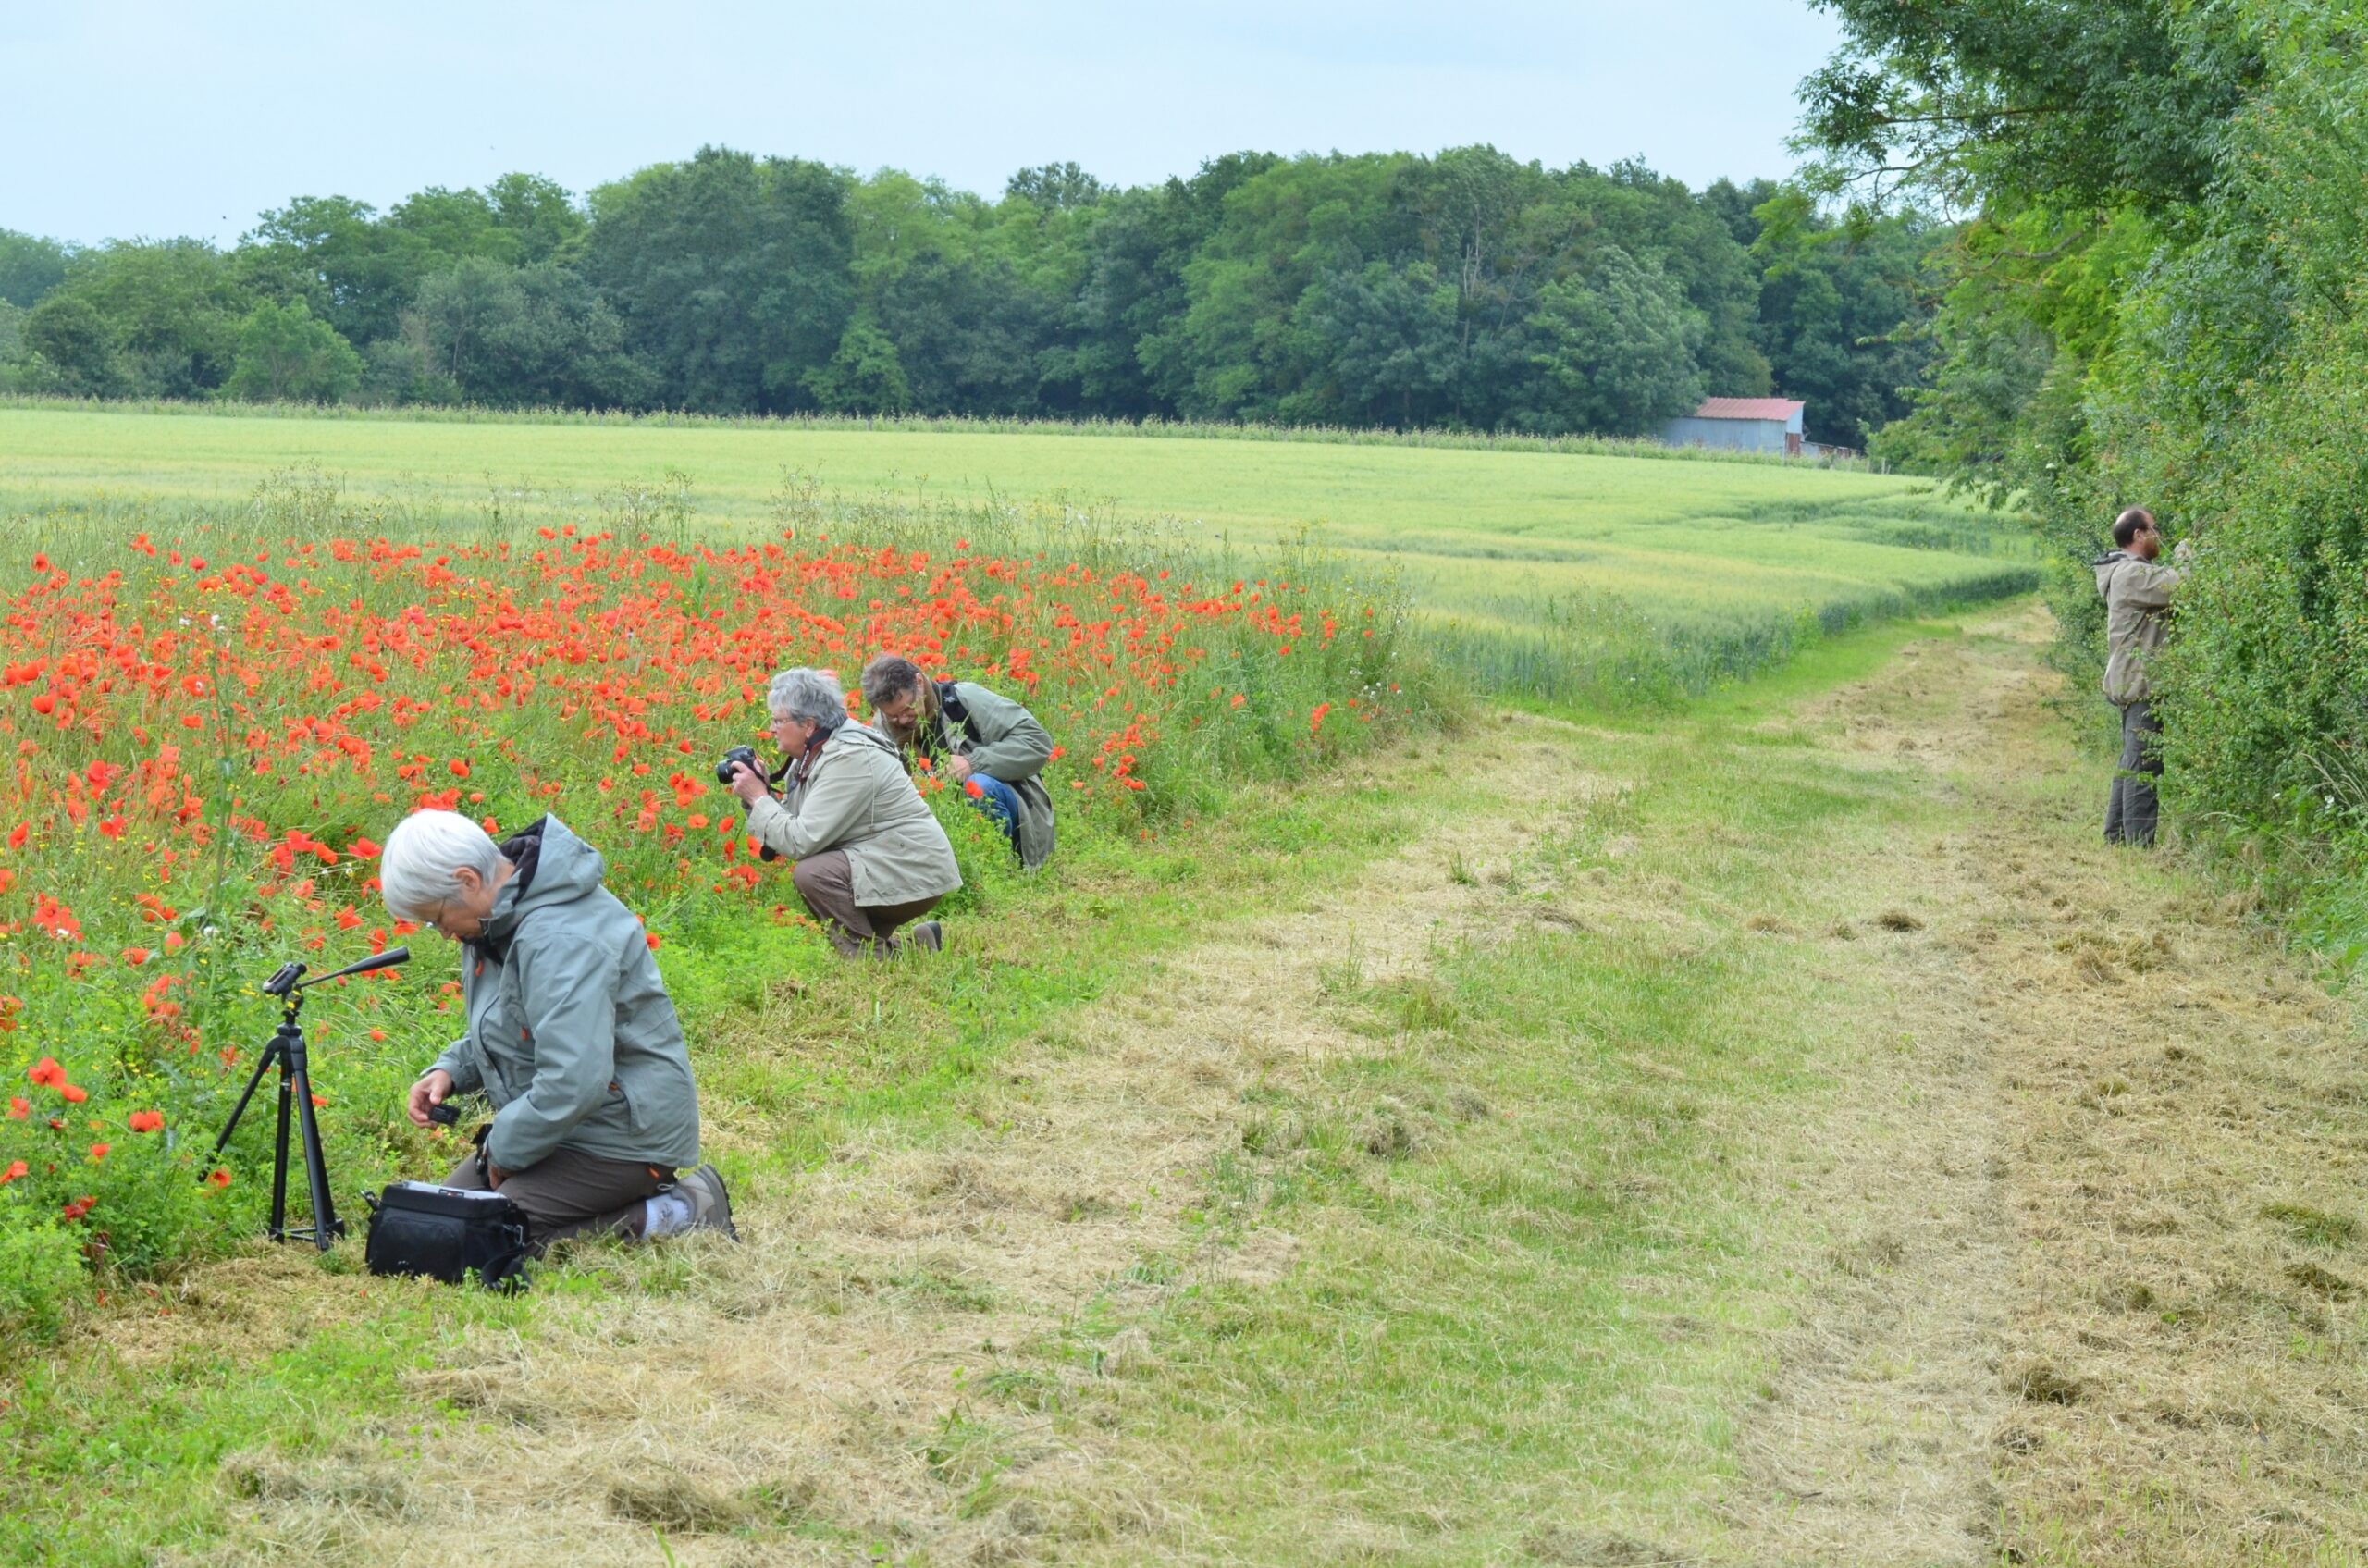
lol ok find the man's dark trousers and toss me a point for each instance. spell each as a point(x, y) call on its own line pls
point(2129, 811)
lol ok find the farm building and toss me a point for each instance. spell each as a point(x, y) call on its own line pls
point(1768, 424)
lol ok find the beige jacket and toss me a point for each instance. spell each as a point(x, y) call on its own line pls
point(856, 796)
point(2138, 597)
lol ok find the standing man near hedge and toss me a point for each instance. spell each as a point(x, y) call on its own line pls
point(979, 736)
point(2138, 600)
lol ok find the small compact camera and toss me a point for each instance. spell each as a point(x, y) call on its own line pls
point(745, 756)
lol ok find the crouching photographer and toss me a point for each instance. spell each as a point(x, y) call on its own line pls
point(984, 740)
point(872, 858)
point(570, 1033)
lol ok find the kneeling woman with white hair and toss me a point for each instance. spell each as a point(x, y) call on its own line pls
point(871, 853)
point(571, 1034)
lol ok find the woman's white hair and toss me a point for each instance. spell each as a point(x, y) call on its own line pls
point(810, 696)
point(416, 864)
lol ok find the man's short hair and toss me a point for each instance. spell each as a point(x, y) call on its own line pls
point(415, 866)
point(2126, 527)
point(890, 676)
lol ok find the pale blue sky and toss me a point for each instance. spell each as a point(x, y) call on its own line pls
point(132, 117)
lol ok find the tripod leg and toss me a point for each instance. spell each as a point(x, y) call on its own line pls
point(270, 1052)
point(327, 1226)
point(280, 1158)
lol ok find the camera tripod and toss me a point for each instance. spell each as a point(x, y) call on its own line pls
point(288, 1049)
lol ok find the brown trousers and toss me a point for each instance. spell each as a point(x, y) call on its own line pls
point(567, 1194)
point(827, 883)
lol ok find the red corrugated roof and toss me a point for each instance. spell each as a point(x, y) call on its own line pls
point(1779, 409)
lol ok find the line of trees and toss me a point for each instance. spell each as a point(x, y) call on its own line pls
point(1464, 289)
point(2159, 301)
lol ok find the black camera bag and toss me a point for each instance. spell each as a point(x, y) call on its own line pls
point(446, 1233)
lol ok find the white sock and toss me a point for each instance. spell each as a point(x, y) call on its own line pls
point(664, 1214)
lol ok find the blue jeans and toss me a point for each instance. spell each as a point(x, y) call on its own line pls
point(1001, 803)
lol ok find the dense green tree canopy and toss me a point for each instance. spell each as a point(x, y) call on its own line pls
point(30, 267)
point(1464, 289)
point(730, 274)
point(287, 356)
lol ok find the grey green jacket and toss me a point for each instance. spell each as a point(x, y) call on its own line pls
point(570, 1033)
point(855, 795)
point(2138, 598)
point(1002, 740)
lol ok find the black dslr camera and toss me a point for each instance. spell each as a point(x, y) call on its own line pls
point(743, 755)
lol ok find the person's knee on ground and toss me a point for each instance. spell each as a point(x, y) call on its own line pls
point(555, 1200)
point(824, 883)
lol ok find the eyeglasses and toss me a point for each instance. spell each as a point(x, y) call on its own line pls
point(435, 922)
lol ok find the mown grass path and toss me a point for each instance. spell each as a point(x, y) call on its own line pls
point(1782, 1136)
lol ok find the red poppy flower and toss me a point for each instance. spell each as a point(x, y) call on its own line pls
point(147, 1121)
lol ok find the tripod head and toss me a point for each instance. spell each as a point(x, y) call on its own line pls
point(290, 977)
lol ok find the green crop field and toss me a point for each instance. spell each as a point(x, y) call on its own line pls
point(1556, 576)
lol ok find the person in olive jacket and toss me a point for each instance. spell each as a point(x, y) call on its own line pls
point(870, 856)
point(2137, 589)
point(571, 1034)
point(990, 745)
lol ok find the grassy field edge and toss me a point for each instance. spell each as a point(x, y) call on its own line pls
point(1153, 429)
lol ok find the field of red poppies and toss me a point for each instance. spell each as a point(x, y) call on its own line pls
point(211, 725)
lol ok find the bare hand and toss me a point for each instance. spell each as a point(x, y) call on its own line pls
point(959, 765)
point(494, 1175)
point(433, 1089)
point(748, 783)
point(2183, 551)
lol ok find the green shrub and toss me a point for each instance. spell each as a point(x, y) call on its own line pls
point(41, 1272)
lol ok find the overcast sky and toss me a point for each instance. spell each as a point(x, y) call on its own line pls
point(128, 117)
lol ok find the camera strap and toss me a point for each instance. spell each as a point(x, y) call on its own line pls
point(950, 707)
